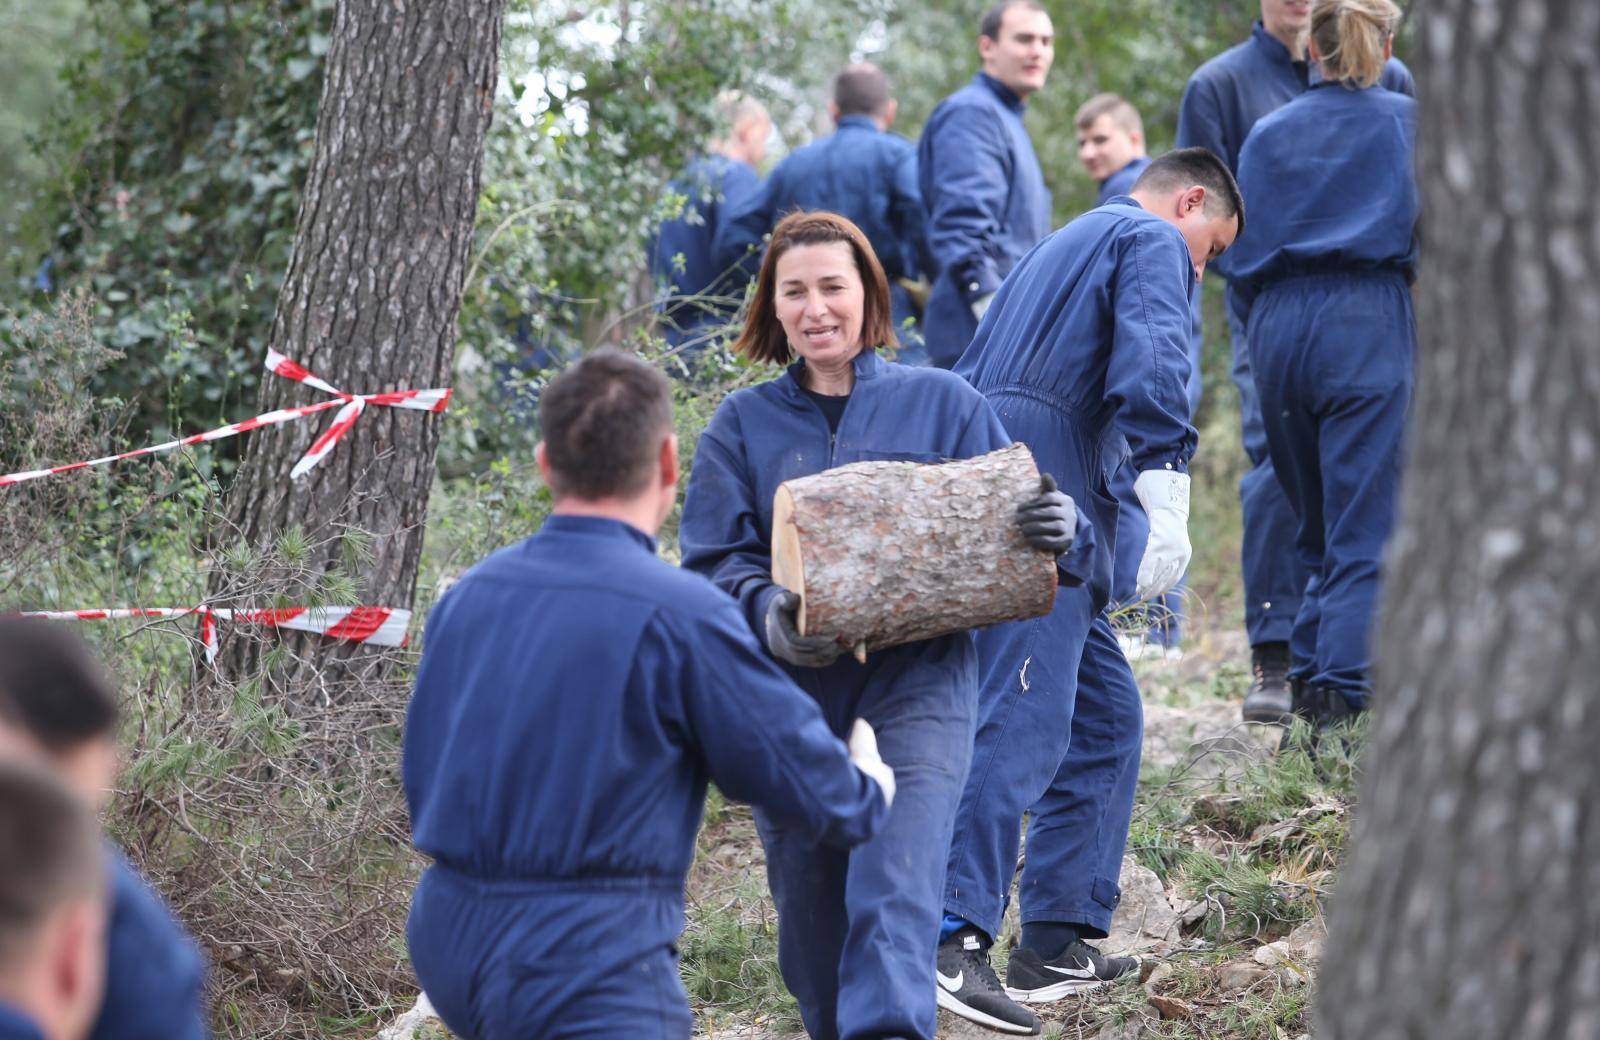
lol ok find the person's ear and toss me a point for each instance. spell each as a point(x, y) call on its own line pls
point(833, 111)
point(1192, 200)
point(669, 461)
point(986, 47)
point(889, 112)
point(1137, 138)
point(542, 457)
point(1388, 47)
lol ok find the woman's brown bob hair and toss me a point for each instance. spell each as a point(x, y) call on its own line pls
point(763, 338)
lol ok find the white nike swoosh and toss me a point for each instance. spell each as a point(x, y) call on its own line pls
point(1077, 973)
point(950, 982)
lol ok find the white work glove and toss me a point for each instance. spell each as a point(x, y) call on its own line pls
point(1165, 497)
point(980, 306)
point(864, 753)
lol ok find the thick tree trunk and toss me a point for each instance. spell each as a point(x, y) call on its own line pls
point(1467, 906)
point(371, 298)
point(884, 553)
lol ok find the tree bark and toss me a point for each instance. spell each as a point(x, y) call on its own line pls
point(884, 553)
point(1468, 905)
point(370, 302)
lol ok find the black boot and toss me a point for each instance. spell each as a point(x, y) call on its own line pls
point(1269, 700)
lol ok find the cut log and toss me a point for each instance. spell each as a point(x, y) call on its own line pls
point(884, 553)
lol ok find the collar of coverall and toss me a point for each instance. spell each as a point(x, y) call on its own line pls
point(1272, 45)
point(857, 122)
point(867, 365)
point(597, 526)
point(1007, 96)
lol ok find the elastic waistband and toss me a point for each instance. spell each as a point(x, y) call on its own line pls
point(1055, 402)
point(621, 884)
point(1343, 275)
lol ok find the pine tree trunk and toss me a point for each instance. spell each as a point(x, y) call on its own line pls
point(884, 553)
point(1465, 908)
point(370, 304)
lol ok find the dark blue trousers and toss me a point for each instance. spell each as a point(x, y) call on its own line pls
point(858, 929)
point(1060, 740)
point(509, 960)
point(1334, 357)
point(1274, 577)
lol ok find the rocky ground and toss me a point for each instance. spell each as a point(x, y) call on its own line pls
point(1231, 851)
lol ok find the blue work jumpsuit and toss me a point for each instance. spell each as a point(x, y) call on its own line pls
point(860, 172)
point(986, 201)
point(695, 291)
point(1323, 271)
point(155, 975)
point(1223, 100)
point(14, 1025)
point(1160, 621)
point(857, 930)
point(1085, 357)
point(575, 695)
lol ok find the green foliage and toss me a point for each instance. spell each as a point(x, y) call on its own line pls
point(183, 134)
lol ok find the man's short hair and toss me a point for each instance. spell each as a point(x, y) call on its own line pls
point(49, 854)
point(1186, 167)
point(994, 17)
point(1116, 106)
point(733, 109)
point(51, 686)
point(861, 90)
point(603, 421)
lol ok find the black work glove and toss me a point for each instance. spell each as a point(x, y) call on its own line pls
point(1049, 521)
point(787, 644)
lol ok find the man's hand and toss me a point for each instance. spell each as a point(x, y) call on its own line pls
point(786, 642)
point(1165, 497)
point(1049, 521)
point(864, 753)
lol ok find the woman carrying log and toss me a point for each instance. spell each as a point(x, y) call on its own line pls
point(857, 928)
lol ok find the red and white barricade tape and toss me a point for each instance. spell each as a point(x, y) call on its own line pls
point(350, 408)
point(380, 626)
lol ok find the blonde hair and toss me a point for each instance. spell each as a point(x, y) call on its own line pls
point(1121, 112)
point(1349, 36)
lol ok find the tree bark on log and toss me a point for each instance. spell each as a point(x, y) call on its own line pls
point(1467, 907)
point(370, 303)
point(884, 553)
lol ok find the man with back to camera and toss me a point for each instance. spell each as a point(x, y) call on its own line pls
point(861, 171)
point(52, 907)
point(1223, 100)
point(575, 695)
point(1112, 150)
point(1085, 356)
point(694, 291)
point(58, 706)
point(982, 189)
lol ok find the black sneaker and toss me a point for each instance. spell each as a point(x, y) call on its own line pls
point(969, 987)
point(1269, 700)
point(1080, 968)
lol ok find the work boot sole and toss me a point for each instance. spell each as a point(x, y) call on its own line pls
point(1268, 715)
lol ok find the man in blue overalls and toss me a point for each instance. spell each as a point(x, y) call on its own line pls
point(861, 171)
point(1224, 99)
point(1112, 150)
point(576, 694)
point(985, 196)
point(1085, 357)
point(695, 294)
point(53, 892)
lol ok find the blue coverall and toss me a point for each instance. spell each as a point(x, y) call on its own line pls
point(575, 695)
point(1085, 357)
point(14, 1025)
point(1161, 620)
point(857, 931)
point(683, 257)
point(1224, 99)
point(155, 976)
point(986, 201)
point(1323, 272)
point(860, 172)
